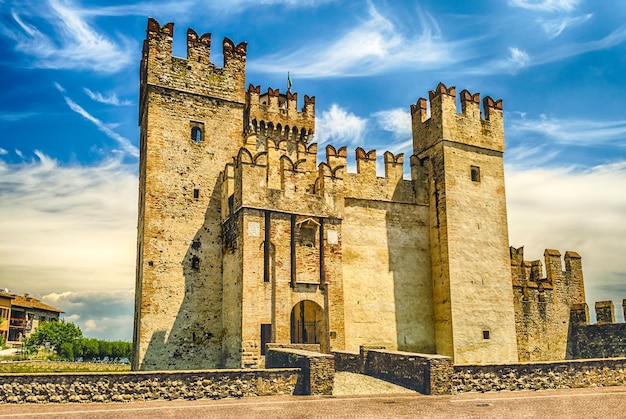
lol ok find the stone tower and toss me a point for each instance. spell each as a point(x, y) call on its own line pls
point(191, 117)
point(472, 296)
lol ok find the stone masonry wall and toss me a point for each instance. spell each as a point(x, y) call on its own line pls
point(140, 386)
point(540, 376)
point(605, 339)
point(428, 374)
point(318, 370)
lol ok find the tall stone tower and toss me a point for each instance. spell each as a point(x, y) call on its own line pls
point(191, 116)
point(472, 296)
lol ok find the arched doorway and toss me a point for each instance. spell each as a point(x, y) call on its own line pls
point(308, 323)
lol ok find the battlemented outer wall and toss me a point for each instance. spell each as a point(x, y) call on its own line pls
point(542, 304)
point(386, 261)
point(178, 321)
point(473, 301)
point(605, 339)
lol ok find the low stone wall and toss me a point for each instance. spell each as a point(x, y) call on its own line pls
point(139, 386)
point(427, 374)
point(347, 361)
point(318, 369)
point(540, 376)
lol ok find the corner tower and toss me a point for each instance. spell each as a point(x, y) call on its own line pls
point(191, 118)
point(472, 295)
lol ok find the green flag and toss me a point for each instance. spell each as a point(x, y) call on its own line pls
point(288, 81)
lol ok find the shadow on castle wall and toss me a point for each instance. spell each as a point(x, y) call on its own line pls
point(194, 340)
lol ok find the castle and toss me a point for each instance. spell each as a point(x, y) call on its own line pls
point(245, 239)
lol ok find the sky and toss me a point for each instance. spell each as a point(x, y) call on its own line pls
point(69, 74)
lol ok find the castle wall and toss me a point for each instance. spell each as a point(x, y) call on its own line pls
point(178, 321)
point(542, 304)
point(605, 339)
point(386, 271)
point(473, 301)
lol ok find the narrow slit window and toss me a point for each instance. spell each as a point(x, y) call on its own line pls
point(475, 173)
point(196, 193)
point(197, 131)
point(486, 335)
point(195, 262)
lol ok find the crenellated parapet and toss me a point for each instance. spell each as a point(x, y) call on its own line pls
point(196, 73)
point(444, 123)
point(568, 284)
point(273, 114)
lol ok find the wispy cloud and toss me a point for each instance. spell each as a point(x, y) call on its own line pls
point(125, 144)
point(582, 132)
point(111, 99)
point(397, 121)
point(546, 5)
point(372, 47)
point(57, 35)
point(518, 59)
point(555, 27)
point(3, 152)
point(75, 230)
point(339, 127)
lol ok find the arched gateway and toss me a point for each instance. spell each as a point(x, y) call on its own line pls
point(308, 323)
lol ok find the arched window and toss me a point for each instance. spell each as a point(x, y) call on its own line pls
point(197, 131)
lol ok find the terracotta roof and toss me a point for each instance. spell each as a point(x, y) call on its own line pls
point(29, 302)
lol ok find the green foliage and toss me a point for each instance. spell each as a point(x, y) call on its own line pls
point(68, 343)
point(53, 334)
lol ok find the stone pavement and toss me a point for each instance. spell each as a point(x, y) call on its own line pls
point(348, 383)
point(571, 403)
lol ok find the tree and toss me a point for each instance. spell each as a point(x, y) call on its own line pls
point(54, 334)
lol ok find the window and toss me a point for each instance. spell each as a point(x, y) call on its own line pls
point(307, 235)
point(195, 244)
point(196, 193)
point(197, 131)
point(486, 335)
point(475, 171)
point(195, 262)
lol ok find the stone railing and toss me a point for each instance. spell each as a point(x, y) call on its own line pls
point(139, 386)
point(540, 375)
point(427, 374)
point(318, 369)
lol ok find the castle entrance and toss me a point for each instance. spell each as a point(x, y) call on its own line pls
point(307, 322)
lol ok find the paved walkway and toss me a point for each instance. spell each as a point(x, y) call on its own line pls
point(347, 383)
point(608, 402)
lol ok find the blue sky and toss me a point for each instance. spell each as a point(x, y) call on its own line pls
point(68, 118)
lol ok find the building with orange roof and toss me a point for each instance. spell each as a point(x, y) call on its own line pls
point(25, 313)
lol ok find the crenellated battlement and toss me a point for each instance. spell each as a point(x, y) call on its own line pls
point(275, 114)
point(605, 313)
point(196, 73)
point(444, 122)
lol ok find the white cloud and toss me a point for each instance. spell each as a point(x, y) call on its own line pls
point(75, 231)
point(3, 152)
point(518, 58)
point(62, 38)
point(374, 46)
point(571, 131)
point(555, 27)
point(396, 121)
point(339, 127)
point(111, 99)
point(103, 314)
point(546, 5)
point(124, 143)
point(566, 209)
point(19, 153)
